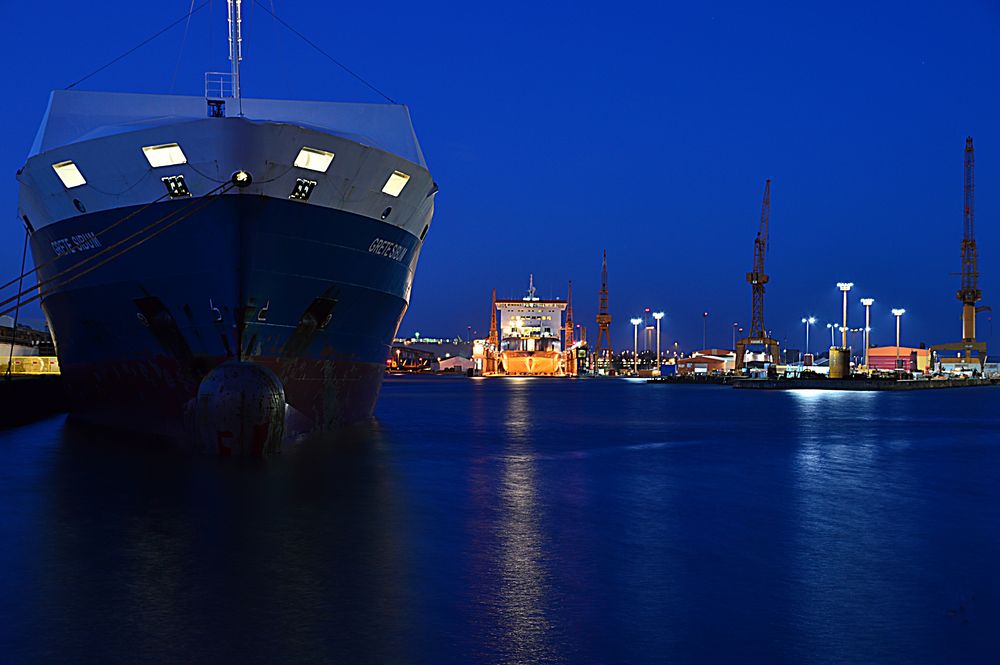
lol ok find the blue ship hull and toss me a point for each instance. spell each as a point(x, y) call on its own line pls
point(315, 294)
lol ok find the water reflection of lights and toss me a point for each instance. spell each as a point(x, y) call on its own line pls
point(523, 576)
point(826, 424)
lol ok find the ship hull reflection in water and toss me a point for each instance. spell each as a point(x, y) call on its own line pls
point(521, 521)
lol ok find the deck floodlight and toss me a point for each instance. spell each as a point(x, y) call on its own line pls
point(176, 187)
point(303, 189)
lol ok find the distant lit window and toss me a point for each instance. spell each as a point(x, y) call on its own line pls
point(395, 184)
point(314, 159)
point(168, 154)
point(69, 174)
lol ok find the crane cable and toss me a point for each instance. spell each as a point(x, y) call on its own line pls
point(197, 206)
point(96, 235)
point(102, 252)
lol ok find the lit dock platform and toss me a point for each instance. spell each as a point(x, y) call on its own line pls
point(859, 384)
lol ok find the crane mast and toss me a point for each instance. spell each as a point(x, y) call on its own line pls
point(757, 278)
point(969, 293)
point(603, 355)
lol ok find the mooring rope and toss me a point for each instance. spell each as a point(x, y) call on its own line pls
point(200, 203)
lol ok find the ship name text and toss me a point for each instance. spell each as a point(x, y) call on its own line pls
point(388, 249)
point(81, 242)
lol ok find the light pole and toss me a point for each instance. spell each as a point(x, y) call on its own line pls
point(898, 313)
point(831, 327)
point(704, 331)
point(635, 345)
point(867, 302)
point(808, 321)
point(844, 288)
point(657, 316)
point(735, 326)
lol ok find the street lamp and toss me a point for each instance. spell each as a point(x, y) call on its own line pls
point(657, 316)
point(735, 326)
point(704, 332)
point(808, 321)
point(831, 327)
point(844, 288)
point(867, 302)
point(898, 313)
point(635, 345)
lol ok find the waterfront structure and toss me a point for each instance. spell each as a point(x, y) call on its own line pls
point(899, 358)
point(174, 234)
point(707, 361)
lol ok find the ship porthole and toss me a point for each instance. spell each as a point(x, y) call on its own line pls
point(386, 212)
point(79, 206)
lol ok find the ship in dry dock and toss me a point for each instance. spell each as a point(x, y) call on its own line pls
point(531, 339)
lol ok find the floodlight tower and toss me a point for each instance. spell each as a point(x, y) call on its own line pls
point(808, 321)
point(844, 288)
point(658, 316)
point(867, 302)
point(898, 313)
point(635, 345)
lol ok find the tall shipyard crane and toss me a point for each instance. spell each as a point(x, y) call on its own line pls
point(969, 293)
point(758, 278)
point(603, 355)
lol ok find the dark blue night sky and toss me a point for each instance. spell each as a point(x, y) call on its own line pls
point(557, 129)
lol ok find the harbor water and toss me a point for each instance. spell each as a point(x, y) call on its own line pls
point(522, 521)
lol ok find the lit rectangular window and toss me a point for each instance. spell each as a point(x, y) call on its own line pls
point(314, 159)
point(395, 184)
point(168, 154)
point(69, 174)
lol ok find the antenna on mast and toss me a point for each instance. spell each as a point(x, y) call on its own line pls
point(222, 86)
point(236, 47)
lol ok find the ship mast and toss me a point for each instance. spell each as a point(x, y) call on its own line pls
point(236, 47)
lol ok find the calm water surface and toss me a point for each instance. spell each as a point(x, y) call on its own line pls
point(523, 521)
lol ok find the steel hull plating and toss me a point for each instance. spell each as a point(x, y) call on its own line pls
point(314, 293)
